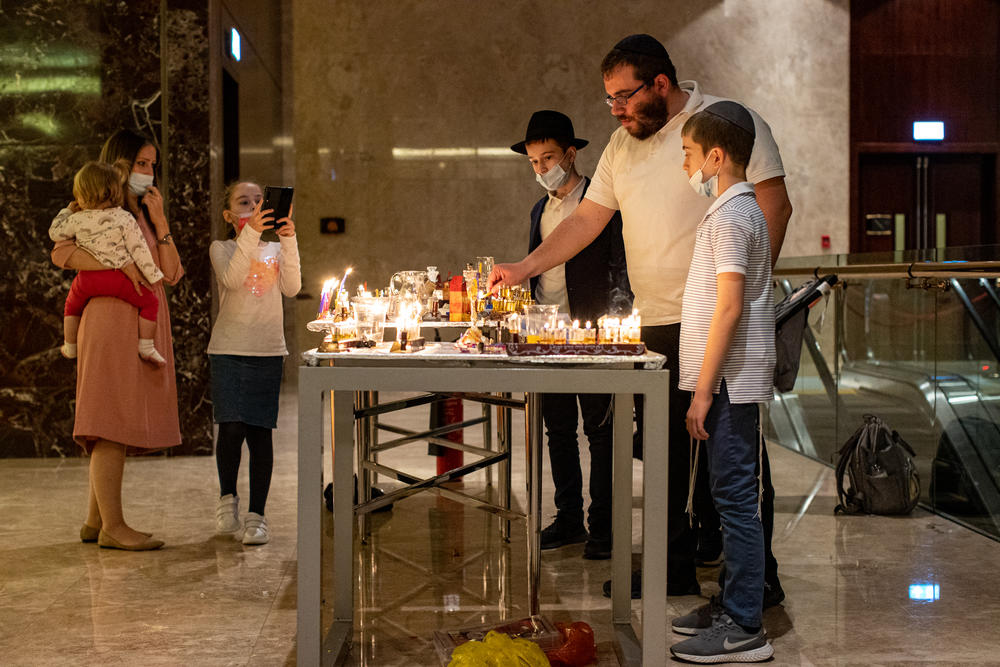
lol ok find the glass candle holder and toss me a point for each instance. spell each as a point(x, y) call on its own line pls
point(538, 321)
point(369, 316)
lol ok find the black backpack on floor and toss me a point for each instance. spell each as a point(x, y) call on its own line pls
point(880, 466)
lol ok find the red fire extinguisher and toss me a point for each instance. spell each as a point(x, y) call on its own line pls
point(443, 412)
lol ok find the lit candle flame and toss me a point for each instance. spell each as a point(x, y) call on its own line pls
point(346, 273)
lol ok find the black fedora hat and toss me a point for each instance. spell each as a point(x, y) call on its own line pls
point(548, 124)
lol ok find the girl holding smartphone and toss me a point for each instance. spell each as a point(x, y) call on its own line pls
point(247, 351)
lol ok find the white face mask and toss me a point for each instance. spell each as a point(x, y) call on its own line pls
point(709, 188)
point(554, 178)
point(139, 183)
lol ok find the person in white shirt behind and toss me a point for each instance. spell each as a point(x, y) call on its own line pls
point(247, 351)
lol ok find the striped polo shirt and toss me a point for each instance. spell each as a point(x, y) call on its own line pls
point(732, 238)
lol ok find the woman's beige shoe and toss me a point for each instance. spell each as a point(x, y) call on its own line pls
point(89, 533)
point(106, 541)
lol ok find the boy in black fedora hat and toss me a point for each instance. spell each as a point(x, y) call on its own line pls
point(592, 283)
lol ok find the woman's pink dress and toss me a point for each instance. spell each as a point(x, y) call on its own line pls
point(119, 397)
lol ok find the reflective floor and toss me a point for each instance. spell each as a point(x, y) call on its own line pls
point(861, 590)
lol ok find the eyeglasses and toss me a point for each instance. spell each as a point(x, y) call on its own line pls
point(622, 100)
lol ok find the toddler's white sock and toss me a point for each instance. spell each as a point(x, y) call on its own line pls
point(148, 352)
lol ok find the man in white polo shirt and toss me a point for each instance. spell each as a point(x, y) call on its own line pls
point(641, 175)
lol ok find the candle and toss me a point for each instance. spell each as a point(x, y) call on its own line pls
point(325, 298)
point(632, 327)
point(346, 273)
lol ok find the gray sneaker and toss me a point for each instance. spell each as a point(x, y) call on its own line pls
point(699, 619)
point(725, 641)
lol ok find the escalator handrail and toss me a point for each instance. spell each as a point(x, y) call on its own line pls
point(988, 337)
point(947, 270)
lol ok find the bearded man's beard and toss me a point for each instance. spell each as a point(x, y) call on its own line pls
point(649, 118)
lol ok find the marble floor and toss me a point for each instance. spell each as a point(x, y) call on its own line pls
point(861, 590)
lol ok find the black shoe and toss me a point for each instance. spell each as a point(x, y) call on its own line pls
point(773, 594)
point(709, 552)
point(681, 588)
point(376, 493)
point(690, 588)
point(560, 533)
point(636, 591)
point(596, 549)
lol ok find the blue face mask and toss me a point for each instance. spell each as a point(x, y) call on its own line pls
point(709, 188)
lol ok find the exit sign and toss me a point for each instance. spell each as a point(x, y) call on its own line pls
point(928, 130)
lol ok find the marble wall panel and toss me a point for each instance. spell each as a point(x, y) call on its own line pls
point(374, 76)
point(68, 74)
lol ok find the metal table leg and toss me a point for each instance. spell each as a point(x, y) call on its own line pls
point(533, 477)
point(504, 417)
point(654, 529)
point(363, 449)
point(488, 438)
point(310, 528)
point(621, 508)
point(372, 423)
point(628, 647)
point(343, 510)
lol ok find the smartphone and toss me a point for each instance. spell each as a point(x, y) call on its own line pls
point(279, 199)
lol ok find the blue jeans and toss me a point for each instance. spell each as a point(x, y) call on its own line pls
point(733, 450)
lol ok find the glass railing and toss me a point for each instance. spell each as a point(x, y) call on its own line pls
point(921, 352)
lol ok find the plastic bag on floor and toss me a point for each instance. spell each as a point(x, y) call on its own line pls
point(498, 650)
point(578, 649)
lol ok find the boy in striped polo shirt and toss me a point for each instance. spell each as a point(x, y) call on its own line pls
point(727, 361)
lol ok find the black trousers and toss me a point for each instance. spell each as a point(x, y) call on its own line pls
point(681, 539)
point(559, 412)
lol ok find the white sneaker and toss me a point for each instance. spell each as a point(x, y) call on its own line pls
point(227, 514)
point(255, 529)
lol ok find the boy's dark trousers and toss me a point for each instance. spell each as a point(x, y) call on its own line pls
point(681, 539)
point(559, 412)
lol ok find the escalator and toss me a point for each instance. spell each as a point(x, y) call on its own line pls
point(923, 360)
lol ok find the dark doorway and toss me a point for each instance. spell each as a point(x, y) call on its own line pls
point(913, 201)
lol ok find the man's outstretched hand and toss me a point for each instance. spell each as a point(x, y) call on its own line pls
point(505, 275)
